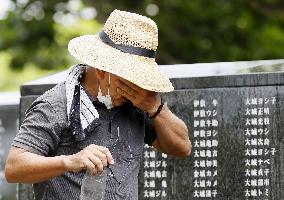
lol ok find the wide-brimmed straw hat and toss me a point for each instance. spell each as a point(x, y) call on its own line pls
point(125, 47)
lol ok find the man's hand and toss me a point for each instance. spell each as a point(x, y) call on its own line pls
point(145, 100)
point(92, 158)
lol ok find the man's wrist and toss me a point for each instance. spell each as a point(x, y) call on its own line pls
point(157, 110)
point(66, 162)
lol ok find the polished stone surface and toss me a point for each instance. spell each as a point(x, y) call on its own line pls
point(231, 136)
point(8, 129)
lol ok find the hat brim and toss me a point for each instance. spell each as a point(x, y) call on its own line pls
point(141, 71)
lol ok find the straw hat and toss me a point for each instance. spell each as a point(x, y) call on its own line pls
point(125, 47)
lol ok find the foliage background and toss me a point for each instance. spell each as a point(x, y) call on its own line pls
point(34, 33)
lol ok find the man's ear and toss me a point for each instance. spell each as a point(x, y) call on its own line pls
point(100, 74)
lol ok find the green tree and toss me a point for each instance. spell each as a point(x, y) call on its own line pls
point(33, 36)
point(210, 31)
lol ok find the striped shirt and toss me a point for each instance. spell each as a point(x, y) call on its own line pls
point(46, 131)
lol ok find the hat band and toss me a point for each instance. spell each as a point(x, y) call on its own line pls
point(126, 48)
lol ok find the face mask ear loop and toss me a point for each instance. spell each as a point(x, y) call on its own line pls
point(100, 91)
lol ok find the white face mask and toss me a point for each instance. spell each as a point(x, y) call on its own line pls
point(106, 100)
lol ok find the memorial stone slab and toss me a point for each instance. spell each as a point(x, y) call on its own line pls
point(234, 115)
point(9, 120)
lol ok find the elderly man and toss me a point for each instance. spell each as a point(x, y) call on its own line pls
point(100, 117)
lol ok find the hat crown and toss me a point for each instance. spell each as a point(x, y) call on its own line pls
point(132, 29)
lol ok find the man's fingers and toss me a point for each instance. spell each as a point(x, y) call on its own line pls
point(127, 88)
point(100, 155)
point(90, 166)
point(97, 162)
point(129, 84)
point(107, 153)
point(126, 94)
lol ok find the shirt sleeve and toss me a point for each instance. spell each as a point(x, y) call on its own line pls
point(150, 132)
point(40, 130)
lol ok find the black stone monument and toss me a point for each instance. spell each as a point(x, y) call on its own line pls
point(9, 120)
point(234, 115)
